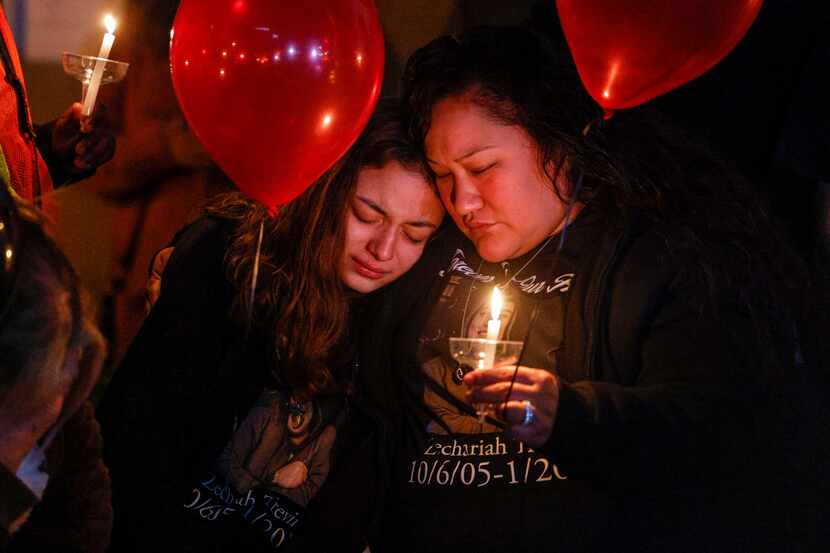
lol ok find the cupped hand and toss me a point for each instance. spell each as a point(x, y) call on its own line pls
point(538, 386)
point(81, 144)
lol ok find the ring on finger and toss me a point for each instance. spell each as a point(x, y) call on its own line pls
point(530, 413)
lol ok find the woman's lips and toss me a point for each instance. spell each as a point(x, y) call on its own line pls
point(368, 271)
point(477, 229)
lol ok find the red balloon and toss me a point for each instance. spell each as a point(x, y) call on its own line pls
point(630, 51)
point(276, 90)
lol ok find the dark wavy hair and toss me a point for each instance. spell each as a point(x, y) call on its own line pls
point(635, 162)
point(48, 311)
point(300, 303)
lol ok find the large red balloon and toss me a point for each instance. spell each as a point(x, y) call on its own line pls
point(630, 51)
point(276, 90)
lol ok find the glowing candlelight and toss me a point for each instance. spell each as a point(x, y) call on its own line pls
point(493, 329)
point(98, 71)
point(494, 324)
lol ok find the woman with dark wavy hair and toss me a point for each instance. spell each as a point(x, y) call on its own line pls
point(651, 294)
point(240, 397)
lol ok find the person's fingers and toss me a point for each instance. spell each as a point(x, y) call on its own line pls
point(497, 391)
point(66, 130)
point(100, 118)
point(485, 377)
point(531, 423)
point(72, 115)
point(75, 111)
point(513, 412)
point(94, 151)
point(102, 151)
point(98, 121)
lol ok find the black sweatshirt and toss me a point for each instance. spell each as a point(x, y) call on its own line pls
point(662, 438)
point(190, 391)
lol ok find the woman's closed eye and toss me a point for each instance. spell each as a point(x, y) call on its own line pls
point(482, 169)
point(416, 239)
point(366, 215)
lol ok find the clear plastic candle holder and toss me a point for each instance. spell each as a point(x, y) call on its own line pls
point(81, 68)
point(481, 354)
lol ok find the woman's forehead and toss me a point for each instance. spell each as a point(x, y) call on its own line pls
point(461, 128)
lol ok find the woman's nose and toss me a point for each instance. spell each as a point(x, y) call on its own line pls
point(382, 244)
point(465, 197)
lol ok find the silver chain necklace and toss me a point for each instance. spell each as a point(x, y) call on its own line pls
point(508, 280)
point(503, 286)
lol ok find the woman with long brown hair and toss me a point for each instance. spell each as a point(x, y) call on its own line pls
point(237, 400)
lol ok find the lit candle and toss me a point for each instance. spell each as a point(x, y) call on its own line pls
point(98, 71)
point(493, 328)
point(494, 324)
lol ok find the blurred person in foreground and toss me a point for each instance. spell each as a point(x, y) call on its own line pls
point(54, 488)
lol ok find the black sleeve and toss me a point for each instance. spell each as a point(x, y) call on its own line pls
point(344, 513)
point(15, 501)
point(162, 400)
point(76, 512)
point(682, 386)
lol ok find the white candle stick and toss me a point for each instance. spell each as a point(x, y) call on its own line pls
point(493, 329)
point(98, 71)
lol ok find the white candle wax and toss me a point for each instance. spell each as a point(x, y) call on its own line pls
point(493, 329)
point(98, 71)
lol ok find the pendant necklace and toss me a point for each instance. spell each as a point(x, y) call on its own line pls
point(507, 279)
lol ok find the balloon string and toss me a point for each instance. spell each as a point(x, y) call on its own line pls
point(255, 273)
point(606, 115)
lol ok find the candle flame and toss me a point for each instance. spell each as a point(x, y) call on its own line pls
point(110, 23)
point(496, 304)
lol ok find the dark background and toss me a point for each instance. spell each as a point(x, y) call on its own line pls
point(764, 107)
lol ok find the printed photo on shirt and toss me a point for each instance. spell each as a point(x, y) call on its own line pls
point(463, 309)
point(283, 445)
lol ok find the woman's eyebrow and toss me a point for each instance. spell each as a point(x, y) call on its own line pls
point(474, 151)
point(420, 223)
point(372, 204)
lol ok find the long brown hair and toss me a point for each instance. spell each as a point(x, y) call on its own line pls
point(300, 304)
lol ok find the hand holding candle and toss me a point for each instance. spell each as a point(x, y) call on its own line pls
point(98, 73)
